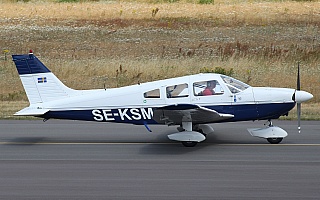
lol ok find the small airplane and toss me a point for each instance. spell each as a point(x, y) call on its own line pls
point(190, 102)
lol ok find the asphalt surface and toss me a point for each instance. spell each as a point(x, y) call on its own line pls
point(84, 160)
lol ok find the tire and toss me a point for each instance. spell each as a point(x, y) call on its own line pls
point(274, 140)
point(189, 144)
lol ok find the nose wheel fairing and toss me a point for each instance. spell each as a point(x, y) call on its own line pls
point(273, 134)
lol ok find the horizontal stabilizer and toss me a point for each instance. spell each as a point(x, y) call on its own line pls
point(187, 136)
point(31, 112)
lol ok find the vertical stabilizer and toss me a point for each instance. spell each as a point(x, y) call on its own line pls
point(40, 84)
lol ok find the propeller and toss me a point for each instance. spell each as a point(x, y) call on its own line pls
point(300, 96)
point(298, 104)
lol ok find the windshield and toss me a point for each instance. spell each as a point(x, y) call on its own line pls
point(234, 85)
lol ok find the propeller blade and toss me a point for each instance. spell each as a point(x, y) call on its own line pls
point(299, 116)
point(298, 104)
point(298, 77)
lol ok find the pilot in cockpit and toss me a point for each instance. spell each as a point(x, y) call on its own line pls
point(209, 90)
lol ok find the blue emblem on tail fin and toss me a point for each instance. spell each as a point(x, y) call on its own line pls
point(42, 80)
point(29, 64)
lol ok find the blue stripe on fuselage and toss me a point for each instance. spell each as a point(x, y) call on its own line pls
point(121, 115)
point(144, 115)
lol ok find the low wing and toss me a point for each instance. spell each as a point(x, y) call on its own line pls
point(176, 114)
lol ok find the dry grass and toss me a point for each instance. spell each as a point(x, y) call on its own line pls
point(220, 13)
point(309, 111)
point(261, 41)
point(8, 108)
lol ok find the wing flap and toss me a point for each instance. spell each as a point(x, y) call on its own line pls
point(176, 114)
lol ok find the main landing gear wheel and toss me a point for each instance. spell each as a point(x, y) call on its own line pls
point(189, 144)
point(274, 140)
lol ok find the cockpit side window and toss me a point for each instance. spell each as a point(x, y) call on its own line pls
point(234, 85)
point(152, 94)
point(207, 88)
point(177, 91)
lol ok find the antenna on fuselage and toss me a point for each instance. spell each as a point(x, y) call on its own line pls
point(104, 82)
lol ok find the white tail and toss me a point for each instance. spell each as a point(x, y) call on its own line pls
point(40, 84)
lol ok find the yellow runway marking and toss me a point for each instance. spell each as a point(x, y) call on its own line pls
point(141, 143)
point(79, 143)
point(268, 144)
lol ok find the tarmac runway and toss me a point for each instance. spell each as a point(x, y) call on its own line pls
point(87, 160)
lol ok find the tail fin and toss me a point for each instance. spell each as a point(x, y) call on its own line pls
point(40, 84)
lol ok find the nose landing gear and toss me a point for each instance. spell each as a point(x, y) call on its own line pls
point(273, 134)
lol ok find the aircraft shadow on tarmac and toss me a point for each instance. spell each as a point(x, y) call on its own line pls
point(26, 140)
point(150, 145)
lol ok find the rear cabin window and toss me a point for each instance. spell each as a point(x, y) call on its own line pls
point(207, 88)
point(152, 94)
point(177, 91)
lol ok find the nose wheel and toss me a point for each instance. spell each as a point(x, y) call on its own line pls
point(273, 134)
point(189, 144)
point(274, 140)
